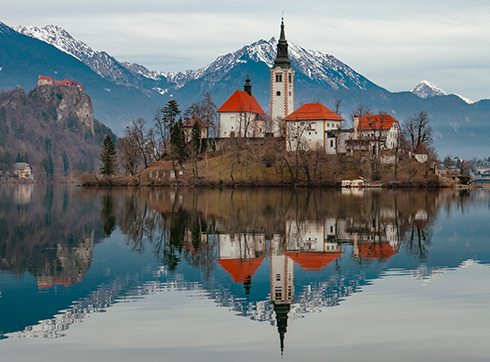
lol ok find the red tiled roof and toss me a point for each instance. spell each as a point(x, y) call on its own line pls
point(191, 121)
point(313, 111)
point(45, 77)
point(313, 261)
point(376, 251)
point(421, 150)
point(240, 269)
point(241, 101)
point(161, 165)
point(376, 122)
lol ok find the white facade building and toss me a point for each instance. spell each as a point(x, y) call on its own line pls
point(241, 115)
point(307, 127)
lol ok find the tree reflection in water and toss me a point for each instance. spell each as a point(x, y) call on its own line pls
point(186, 224)
point(314, 247)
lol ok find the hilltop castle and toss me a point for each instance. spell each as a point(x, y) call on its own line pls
point(44, 80)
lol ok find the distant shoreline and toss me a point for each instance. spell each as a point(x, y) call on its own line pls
point(134, 181)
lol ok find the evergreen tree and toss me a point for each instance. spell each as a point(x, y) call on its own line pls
point(108, 157)
point(170, 112)
point(66, 165)
point(6, 158)
point(18, 158)
point(108, 215)
point(164, 121)
point(177, 139)
point(48, 165)
point(196, 137)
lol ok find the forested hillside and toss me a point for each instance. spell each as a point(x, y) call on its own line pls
point(52, 128)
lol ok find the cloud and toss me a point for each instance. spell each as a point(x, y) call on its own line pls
point(393, 43)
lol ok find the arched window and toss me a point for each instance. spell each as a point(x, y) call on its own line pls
point(278, 93)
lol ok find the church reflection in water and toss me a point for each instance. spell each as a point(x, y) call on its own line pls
point(311, 246)
point(270, 255)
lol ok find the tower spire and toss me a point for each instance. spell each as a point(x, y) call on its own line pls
point(282, 311)
point(282, 58)
point(247, 87)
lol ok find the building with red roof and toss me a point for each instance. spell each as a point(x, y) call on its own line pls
point(371, 133)
point(368, 250)
point(241, 255)
point(306, 126)
point(377, 127)
point(189, 125)
point(421, 153)
point(241, 270)
point(311, 244)
point(241, 115)
point(312, 261)
point(44, 80)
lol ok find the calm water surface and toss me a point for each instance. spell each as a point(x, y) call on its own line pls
point(243, 275)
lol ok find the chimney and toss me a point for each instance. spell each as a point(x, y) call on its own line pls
point(356, 126)
point(248, 86)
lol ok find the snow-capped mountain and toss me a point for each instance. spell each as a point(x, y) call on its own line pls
point(314, 65)
point(320, 68)
point(426, 89)
point(99, 61)
point(121, 91)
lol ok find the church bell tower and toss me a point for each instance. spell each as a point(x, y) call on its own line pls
point(282, 86)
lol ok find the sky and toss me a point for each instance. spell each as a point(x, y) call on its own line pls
point(394, 43)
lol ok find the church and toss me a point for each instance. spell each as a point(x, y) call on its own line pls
point(311, 127)
point(242, 116)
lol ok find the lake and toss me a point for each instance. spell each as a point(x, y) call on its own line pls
point(194, 274)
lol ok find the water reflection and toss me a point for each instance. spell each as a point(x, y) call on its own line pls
point(270, 255)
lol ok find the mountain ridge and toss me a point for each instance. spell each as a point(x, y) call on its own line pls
point(315, 65)
point(459, 128)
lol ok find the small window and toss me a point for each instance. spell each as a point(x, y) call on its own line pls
point(278, 77)
point(331, 143)
point(278, 93)
point(290, 78)
point(289, 93)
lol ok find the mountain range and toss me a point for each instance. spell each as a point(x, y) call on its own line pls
point(122, 91)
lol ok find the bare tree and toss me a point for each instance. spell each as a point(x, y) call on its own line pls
point(418, 130)
point(372, 138)
point(360, 110)
point(205, 110)
point(338, 103)
point(141, 139)
point(401, 146)
point(208, 112)
point(128, 156)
